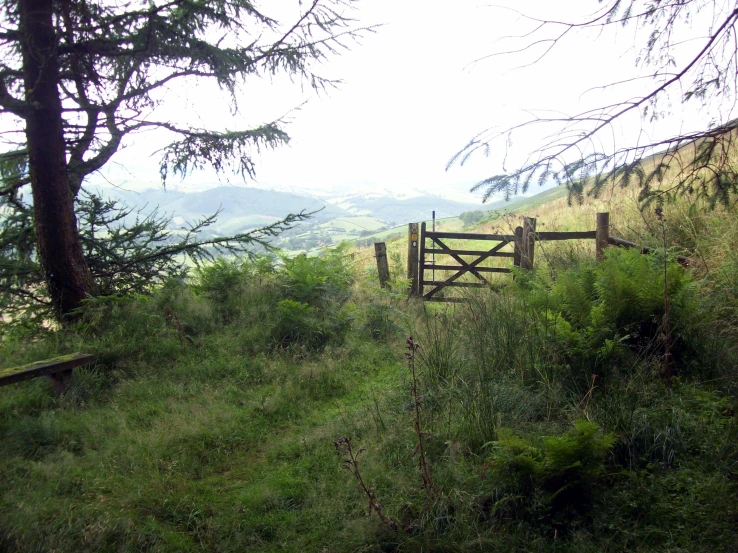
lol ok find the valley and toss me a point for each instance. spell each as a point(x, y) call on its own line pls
point(352, 218)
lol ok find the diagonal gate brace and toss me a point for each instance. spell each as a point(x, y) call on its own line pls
point(466, 267)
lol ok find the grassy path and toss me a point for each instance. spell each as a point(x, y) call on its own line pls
point(178, 462)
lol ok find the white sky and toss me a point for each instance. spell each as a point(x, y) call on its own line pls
point(411, 97)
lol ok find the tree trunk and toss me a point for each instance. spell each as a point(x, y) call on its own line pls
point(59, 247)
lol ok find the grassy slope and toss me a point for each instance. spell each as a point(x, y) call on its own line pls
point(706, 236)
point(207, 449)
point(227, 447)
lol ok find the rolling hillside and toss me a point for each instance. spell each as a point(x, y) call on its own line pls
point(221, 413)
point(240, 208)
point(335, 219)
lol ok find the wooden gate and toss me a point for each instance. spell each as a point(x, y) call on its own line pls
point(462, 266)
point(523, 240)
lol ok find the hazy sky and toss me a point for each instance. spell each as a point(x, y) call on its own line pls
point(412, 95)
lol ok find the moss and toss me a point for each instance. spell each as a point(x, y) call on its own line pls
point(38, 364)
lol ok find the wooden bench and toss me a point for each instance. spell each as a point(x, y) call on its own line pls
point(58, 370)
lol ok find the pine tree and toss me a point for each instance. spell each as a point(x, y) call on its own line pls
point(125, 252)
point(77, 76)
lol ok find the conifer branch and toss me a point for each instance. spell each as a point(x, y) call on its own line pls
point(574, 151)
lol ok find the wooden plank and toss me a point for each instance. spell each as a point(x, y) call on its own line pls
point(472, 236)
point(529, 243)
point(496, 249)
point(472, 252)
point(454, 284)
point(584, 235)
point(627, 244)
point(456, 268)
point(46, 367)
point(602, 235)
point(546, 235)
point(518, 249)
point(683, 261)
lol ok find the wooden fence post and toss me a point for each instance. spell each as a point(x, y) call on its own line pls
point(529, 241)
point(421, 261)
point(380, 252)
point(603, 234)
point(412, 258)
point(518, 246)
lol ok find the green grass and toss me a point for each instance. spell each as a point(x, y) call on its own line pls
point(218, 436)
point(198, 454)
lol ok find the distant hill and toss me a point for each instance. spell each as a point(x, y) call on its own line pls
point(395, 211)
point(243, 208)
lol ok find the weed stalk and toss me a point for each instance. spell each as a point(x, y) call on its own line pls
point(351, 464)
point(171, 318)
point(666, 324)
point(424, 465)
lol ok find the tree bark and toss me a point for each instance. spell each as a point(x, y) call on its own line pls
point(59, 247)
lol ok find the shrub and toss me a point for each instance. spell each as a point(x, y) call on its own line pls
point(550, 479)
point(596, 310)
point(318, 281)
point(378, 321)
point(312, 310)
point(222, 282)
point(297, 324)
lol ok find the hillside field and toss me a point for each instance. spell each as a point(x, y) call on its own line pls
point(296, 406)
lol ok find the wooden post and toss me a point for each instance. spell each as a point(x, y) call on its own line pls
point(603, 234)
point(421, 262)
point(380, 252)
point(518, 246)
point(412, 258)
point(529, 241)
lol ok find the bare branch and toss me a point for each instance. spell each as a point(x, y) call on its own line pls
point(579, 137)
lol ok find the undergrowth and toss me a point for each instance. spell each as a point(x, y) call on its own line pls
point(534, 417)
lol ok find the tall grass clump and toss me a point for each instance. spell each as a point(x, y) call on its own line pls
point(223, 283)
point(509, 373)
point(440, 354)
point(380, 320)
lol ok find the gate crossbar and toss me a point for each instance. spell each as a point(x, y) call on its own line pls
point(464, 266)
